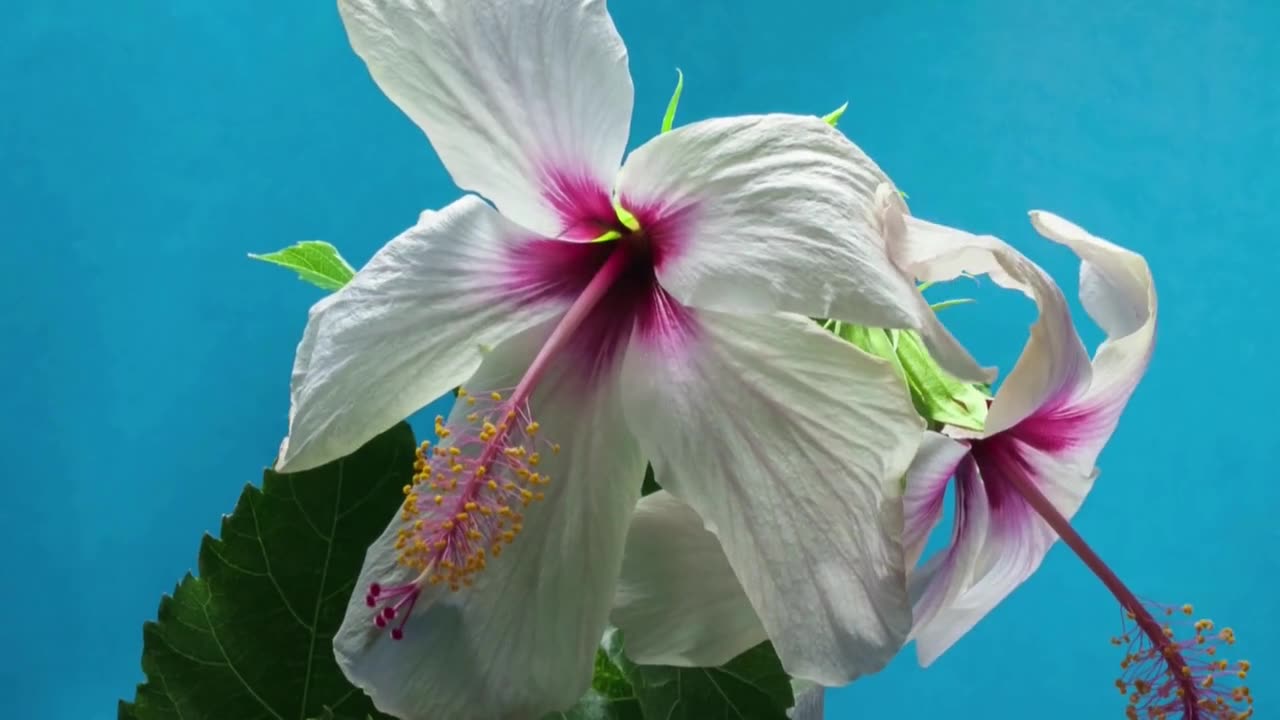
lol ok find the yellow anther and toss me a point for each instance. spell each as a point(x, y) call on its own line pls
point(407, 489)
point(470, 507)
point(532, 428)
point(539, 496)
point(481, 471)
point(456, 468)
point(447, 525)
point(496, 396)
point(462, 392)
point(555, 448)
point(1188, 609)
point(535, 458)
point(461, 517)
point(455, 452)
point(471, 401)
point(509, 537)
point(472, 417)
point(493, 485)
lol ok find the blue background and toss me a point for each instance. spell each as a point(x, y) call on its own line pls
point(146, 146)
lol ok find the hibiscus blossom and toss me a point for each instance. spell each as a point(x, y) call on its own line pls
point(601, 318)
point(1018, 482)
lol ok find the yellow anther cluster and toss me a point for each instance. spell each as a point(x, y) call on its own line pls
point(459, 512)
point(1163, 680)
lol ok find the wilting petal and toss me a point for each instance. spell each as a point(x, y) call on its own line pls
point(407, 328)
point(791, 445)
point(522, 641)
point(998, 541)
point(926, 489)
point(943, 347)
point(1054, 366)
point(768, 213)
point(1118, 292)
point(678, 601)
point(527, 102)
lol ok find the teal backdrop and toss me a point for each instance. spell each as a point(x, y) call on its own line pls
point(147, 146)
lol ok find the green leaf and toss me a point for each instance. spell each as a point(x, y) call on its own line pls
point(250, 637)
point(315, 261)
point(752, 686)
point(833, 118)
point(670, 118)
point(610, 697)
point(938, 396)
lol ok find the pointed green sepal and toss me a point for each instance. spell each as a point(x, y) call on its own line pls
point(833, 117)
point(628, 220)
point(669, 119)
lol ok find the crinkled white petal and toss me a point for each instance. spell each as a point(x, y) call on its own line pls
point(765, 213)
point(521, 643)
point(791, 445)
point(519, 97)
point(1054, 365)
point(943, 347)
point(1118, 292)
point(407, 328)
point(678, 601)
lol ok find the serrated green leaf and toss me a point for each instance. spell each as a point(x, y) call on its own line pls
point(315, 261)
point(752, 686)
point(250, 637)
point(669, 118)
point(610, 697)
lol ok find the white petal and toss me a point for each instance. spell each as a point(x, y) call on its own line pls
point(527, 102)
point(943, 347)
point(998, 541)
point(926, 488)
point(810, 701)
point(1053, 366)
point(678, 601)
point(791, 445)
point(406, 329)
point(521, 643)
point(1118, 292)
point(768, 213)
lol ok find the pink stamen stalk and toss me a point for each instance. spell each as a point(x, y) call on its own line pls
point(448, 542)
point(1162, 684)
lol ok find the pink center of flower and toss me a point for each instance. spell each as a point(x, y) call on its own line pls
point(466, 499)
